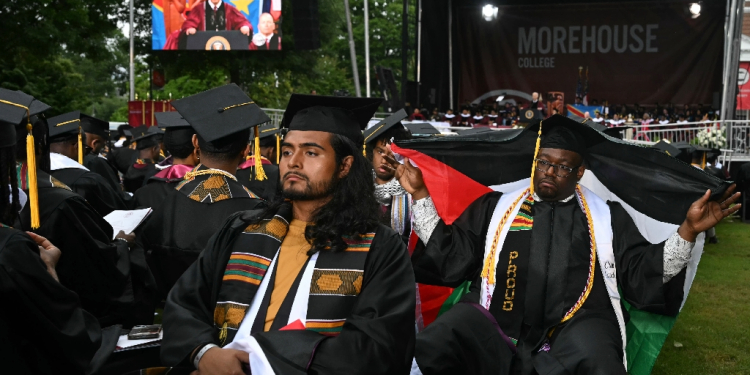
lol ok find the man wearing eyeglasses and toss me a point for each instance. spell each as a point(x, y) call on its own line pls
point(548, 265)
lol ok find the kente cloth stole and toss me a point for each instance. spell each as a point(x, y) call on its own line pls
point(245, 270)
point(401, 213)
point(210, 186)
point(336, 283)
point(507, 305)
point(42, 179)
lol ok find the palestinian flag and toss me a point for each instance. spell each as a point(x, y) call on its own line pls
point(654, 188)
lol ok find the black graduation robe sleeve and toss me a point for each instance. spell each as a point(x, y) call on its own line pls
point(102, 167)
point(455, 252)
point(189, 310)
point(99, 194)
point(640, 268)
point(48, 330)
point(378, 335)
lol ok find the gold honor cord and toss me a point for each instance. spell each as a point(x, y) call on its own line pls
point(536, 153)
point(278, 148)
point(31, 166)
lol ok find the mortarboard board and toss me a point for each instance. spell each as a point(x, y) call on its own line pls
point(220, 112)
point(474, 131)
point(345, 116)
point(265, 130)
point(146, 136)
point(169, 120)
point(89, 124)
point(422, 129)
point(16, 109)
point(381, 127)
point(667, 148)
point(65, 125)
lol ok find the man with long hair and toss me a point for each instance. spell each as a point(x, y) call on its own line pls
point(313, 284)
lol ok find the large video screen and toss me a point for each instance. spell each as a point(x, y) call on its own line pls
point(216, 25)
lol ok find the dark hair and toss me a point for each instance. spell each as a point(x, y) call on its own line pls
point(226, 148)
point(352, 210)
point(69, 138)
point(8, 209)
point(179, 142)
point(268, 142)
point(397, 133)
point(121, 131)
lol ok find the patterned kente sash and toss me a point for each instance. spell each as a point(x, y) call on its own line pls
point(43, 179)
point(336, 278)
point(336, 283)
point(206, 185)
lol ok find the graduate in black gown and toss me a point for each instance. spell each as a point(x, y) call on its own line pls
point(342, 286)
point(395, 202)
point(148, 143)
point(179, 228)
point(111, 281)
point(43, 328)
point(178, 140)
point(96, 137)
point(268, 139)
point(64, 131)
point(546, 263)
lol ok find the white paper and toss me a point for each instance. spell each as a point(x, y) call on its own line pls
point(124, 342)
point(126, 221)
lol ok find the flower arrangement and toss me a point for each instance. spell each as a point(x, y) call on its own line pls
point(711, 138)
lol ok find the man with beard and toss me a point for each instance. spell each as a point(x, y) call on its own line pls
point(395, 202)
point(179, 228)
point(266, 145)
point(311, 285)
point(548, 264)
point(64, 131)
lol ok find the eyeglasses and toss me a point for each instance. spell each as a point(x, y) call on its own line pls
point(561, 171)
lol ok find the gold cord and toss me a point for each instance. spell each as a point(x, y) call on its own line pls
point(536, 153)
point(193, 174)
point(260, 174)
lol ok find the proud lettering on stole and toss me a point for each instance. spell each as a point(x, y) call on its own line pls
point(510, 283)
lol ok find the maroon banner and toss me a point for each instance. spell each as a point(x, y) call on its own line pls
point(743, 81)
point(141, 112)
point(625, 53)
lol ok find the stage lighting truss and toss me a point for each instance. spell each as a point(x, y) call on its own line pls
point(489, 12)
point(695, 9)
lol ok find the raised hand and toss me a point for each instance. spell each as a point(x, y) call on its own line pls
point(409, 176)
point(704, 214)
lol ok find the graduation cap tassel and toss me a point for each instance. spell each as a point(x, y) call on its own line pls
point(536, 153)
point(278, 148)
point(31, 175)
point(364, 150)
point(703, 162)
point(260, 174)
point(80, 146)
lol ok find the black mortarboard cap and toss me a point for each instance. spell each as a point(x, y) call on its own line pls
point(169, 120)
point(94, 125)
point(13, 114)
point(345, 116)
point(614, 132)
point(668, 148)
point(220, 112)
point(563, 138)
point(381, 127)
point(422, 129)
point(265, 130)
point(474, 131)
point(146, 136)
point(64, 125)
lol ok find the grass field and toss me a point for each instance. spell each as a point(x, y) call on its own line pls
point(714, 325)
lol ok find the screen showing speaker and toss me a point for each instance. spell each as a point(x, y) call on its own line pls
point(216, 25)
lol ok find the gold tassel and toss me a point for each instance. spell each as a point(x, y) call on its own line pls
point(223, 333)
point(536, 153)
point(703, 163)
point(260, 174)
point(364, 150)
point(278, 148)
point(80, 146)
point(31, 178)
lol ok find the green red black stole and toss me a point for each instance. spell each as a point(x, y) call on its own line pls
point(245, 271)
point(336, 283)
point(507, 301)
point(42, 178)
point(336, 280)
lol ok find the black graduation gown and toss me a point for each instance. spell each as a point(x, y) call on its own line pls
point(156, 189)
point(179, 228)
point(109, 278)
point(377, 337)
point(43, 329)
point(92, 187)
point(101, 166)
point(123, 158)
point(556, 269)
point(138, 173)
point(266, 189)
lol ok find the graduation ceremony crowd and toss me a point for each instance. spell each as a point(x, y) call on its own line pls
point(324, 246)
